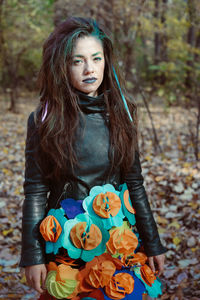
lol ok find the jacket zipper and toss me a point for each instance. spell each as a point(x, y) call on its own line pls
point(64, 192)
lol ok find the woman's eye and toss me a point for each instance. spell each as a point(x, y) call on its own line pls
point(98, 58)
point(77, 62)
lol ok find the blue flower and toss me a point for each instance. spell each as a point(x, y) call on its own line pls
point(127, 206)
point(85, 237)
point(72, 207)
point(104, 203)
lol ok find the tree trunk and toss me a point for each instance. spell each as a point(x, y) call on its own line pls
point(104, 14)
point(163, 39)
point(192, 78)
point(197, 131)
point(13, 100)
point(128, 53)
point(160, 38)
point(1, 39)
point(197, 139)
point(13, 88)
point(1, 27)
point(191, 42)
point(156, 35)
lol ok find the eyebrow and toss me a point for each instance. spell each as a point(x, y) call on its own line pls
point(95, 54)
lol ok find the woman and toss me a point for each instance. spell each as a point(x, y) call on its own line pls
point(83, 135)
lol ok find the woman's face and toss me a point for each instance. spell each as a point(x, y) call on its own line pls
point(87, 65)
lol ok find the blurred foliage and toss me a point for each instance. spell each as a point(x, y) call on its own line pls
point(157, 41)
point(24, 27)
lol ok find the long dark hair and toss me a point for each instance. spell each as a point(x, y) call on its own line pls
point(57, 131)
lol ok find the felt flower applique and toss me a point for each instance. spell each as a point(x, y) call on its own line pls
point(46, 296)
point(62, 281)
point(152, 284)
point(127, 206)
point(72, 207)
point(124, 284)
point(120, 285)
point(95, 294)
point(84, 237)
point(147, 275)
point(51, 229)
point(66, 260)
point(98, 272)
point(104, 203)
point(122, 242)
point(135, 259)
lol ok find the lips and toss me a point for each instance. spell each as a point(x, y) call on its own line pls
point(90, 80)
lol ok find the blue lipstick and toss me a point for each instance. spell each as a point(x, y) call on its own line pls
point(90, 80)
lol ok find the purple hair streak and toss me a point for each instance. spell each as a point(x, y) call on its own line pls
point(44, 113)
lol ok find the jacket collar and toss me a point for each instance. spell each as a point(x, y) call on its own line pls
point(90, 104)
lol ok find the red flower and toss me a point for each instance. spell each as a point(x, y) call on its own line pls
point(96, 294)
point(46, 296)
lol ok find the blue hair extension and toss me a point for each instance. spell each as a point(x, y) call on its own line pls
point(97, 33)
point(69, 45)
point(123, 98)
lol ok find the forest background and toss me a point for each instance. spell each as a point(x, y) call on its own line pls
point(157, 43)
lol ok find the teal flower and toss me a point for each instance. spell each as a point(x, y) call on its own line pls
point(104, 203)
point(84, 237)
point(127, 206)
point(52, 229)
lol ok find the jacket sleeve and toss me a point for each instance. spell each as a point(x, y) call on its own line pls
point(145, 222)
point(35, 191)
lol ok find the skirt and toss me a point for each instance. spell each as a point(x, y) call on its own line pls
point(94, 249)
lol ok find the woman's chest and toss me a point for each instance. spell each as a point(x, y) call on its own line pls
point(92, 143)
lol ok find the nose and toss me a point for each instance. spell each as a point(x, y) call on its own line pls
point(89, 68)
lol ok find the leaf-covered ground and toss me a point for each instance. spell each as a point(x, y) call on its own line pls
point(172, 181)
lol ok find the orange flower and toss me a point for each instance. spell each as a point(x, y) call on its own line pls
point(122, 242)
point(62, 281)
point(66, 260)
point(127, 203)
point(147, 275)
point(98, 272)
point(87, 240)
point(120, 285)
point(106, 204)
point(50, 229)
point(63, 272)
point(138, 258)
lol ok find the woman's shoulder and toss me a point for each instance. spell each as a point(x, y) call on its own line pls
point(32, 128)
point(32, 119)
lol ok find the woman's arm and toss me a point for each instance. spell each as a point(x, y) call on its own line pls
point(145, 222)
point(35, 190)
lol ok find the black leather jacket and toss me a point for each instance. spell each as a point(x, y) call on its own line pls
point(92, 151)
